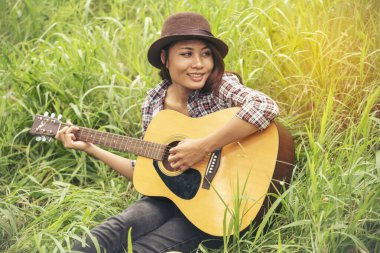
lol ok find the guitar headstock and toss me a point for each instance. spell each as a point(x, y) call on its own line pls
point(45, 127)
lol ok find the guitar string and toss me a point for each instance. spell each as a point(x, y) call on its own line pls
point(157, 149)
point(124, 140)
point(151, 146)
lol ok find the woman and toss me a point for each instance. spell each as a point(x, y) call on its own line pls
point(195, 84)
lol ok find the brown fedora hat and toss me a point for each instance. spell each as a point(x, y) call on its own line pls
point(184, 25)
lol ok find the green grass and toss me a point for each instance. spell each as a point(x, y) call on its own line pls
point(319, 59)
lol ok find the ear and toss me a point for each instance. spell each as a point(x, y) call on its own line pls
point(163, 57)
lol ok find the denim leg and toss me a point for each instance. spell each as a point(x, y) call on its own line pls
point(143, 216)
point(177, 234)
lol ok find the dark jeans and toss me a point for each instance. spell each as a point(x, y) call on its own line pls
point(157, 226)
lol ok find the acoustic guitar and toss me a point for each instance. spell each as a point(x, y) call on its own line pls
point(232, 186)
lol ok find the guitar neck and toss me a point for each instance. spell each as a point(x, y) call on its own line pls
point(136, 146)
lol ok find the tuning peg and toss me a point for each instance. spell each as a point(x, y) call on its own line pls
point(46, 114)
point(43, 138)
point(49, 139)
point(59, 116)
point(38, 138)
point(52, 115)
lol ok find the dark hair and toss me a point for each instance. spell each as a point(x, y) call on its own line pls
point(213, 81)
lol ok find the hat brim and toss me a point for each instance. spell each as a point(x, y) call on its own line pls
point(154, 52)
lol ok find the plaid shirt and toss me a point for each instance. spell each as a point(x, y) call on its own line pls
point(256, 108)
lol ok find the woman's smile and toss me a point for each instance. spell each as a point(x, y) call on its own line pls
point(196, 77)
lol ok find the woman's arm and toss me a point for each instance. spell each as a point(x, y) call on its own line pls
point(116, 162)
point(120, 164)
point(191, 151)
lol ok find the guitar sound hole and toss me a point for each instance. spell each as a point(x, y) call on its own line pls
point(165, 162)
point(186, 184)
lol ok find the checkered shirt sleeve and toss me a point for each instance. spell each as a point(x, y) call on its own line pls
point(256, 107)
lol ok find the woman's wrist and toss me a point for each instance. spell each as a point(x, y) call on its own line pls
point(89, 149)
point(209, 144)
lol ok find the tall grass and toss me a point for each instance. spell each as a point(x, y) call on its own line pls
point(318, 59)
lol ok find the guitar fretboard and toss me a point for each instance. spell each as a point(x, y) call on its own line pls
point(136, 146)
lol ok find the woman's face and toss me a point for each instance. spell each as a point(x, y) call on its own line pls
point(190, 63)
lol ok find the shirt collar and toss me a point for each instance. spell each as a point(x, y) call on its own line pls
point(159, 90)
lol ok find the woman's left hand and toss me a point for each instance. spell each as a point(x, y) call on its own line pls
point(187, 153)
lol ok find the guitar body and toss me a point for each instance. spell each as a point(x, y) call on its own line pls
point(245, 172)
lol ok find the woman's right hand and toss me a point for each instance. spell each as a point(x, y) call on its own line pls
point(67, 136)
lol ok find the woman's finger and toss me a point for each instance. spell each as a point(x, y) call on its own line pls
point(61, 132)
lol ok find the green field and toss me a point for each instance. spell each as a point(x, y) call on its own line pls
point(318, 59)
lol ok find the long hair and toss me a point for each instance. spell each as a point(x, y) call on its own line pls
point(215, 78)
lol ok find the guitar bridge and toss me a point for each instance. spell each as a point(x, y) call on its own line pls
point(212, 168)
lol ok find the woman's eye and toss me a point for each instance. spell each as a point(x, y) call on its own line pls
point(186, 54)
point(207, 53)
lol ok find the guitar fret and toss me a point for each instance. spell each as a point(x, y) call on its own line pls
point(118, 143)
point(95, 137)
point(124, 146)
point(132, 149)
point(106, 139)
point(145, 148)
point(88, 136)
point(142, 149)
point(136, 147)
point(122, 143)
point(102, 137)
point(148, 149)
point(128, 143)
point(92, 135)
point(152, 149)
point(112, 141)
point(159, 150)
point(129, 140)
point(109, 140)
point(115, 141)
point(155, 149)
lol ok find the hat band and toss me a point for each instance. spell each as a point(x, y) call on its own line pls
point(191, 32)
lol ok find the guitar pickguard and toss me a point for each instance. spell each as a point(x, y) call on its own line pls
point(184, 185)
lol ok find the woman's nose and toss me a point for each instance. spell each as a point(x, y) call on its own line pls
point(197, 62)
